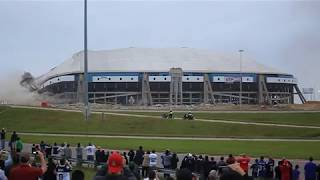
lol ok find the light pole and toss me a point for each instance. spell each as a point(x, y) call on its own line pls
point(85, 79)
point(319, 95)
point(240, 94)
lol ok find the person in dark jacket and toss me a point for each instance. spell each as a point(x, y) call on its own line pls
point(138, 158)
point(174, 161)
point(310, 170)
point(277, 171)
point(13, 140)
point(50, 174)
point(131, 155)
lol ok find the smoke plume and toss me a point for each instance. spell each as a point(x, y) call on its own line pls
point(18, 88)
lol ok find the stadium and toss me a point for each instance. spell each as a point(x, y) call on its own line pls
point(146, 76)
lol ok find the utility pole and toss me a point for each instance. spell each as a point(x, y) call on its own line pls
point(85, 83)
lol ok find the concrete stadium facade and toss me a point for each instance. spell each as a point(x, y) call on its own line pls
point(145, 76)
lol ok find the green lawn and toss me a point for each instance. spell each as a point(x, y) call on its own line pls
point(299, 118)
point(3, 108)
point(299, 150)
point(48, 121)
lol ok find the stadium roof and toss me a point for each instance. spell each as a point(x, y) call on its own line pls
point(157, 60)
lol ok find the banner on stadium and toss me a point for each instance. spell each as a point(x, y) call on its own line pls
point(307, 90)
point(232, 79)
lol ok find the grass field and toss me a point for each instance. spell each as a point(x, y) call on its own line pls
point(299, 150)
point(47, 121)
point(299, 118)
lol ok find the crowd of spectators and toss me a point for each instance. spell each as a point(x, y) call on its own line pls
point(50, 162)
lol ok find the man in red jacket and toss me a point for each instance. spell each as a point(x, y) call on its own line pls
point(25, 171)
point(244, 160)
point(285, 169)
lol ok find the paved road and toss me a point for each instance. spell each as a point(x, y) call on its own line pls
point(203, 120)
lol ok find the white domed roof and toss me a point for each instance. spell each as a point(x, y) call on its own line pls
point(157, 60)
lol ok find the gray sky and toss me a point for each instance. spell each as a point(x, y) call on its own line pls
point(38, 35)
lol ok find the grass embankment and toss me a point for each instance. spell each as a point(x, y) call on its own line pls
point(293, 150)
point(48, 121)
point(294, 118)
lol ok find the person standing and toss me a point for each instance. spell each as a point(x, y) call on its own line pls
point(63, 170)
point(145, 164)
point(131, 155)
point(90, 150)
point(269, 168)
point(230, 159)
point(79, 153)
point(13, 140)
point(61, 150)
point(25, 171)
point(296, 173)
point(244, 160)
point(174, 161)
point(262, 167)
point(50, 174)
point(255, 168)
point(138, 158)
point(310, 170)
point(48, 150)
point(19, 145)
point(285, 170)
point(153, 160)
point(68, 152)
point(166, 161)
point(55, 149)
point(3, 139)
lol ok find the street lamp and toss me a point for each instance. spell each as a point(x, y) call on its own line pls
point(240, 94)
point(319, 95)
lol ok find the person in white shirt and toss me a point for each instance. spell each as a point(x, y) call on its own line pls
point(153, 160)
point(90, 149)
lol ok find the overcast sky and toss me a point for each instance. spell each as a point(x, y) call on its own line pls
point(38, 35)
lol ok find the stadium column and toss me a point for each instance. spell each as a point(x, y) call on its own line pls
point(262, 90)
point(176, 93)
point(207, 90)
point(145, 91)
